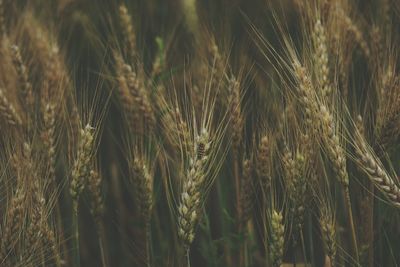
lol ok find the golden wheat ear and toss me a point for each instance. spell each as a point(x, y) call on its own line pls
point(371, 165)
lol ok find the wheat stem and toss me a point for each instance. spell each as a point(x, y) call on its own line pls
point(75, 227)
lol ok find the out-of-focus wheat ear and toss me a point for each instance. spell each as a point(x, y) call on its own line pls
point(81, 168)
point(97, 204)
point(183, 129)
point(144, 188)
point(353, 29)
point(246, 192)
point(26, 95)
point(263, 163)
point(276, 243)
point(124, 95)
point(296, 184)
point(79, 177)
point(237, 120)
point(39, 233)
point(193, 186)
point(191, 16)
point(321, 57)
point(56, 79)
point(218, 62)
point(159, 63)
point(134, 98)
point(3, 26)
point(245, 205)
point(387, 128)
point(386, 8)
point(8, 112)
point(307, 98)
point(50, 241)
point(13, 223)
point(328, 231)
point(136, 86)
point(143, 182)
point(128, 32)
point(39, 237)
point(48, 137)
point(377, 44)
point(35, 216)
point(236, 124)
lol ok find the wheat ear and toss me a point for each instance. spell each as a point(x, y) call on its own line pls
point(79, 177)
point(26, 93)
point(8, 112)
point(128, 31)
point(320, 118)
point(190, 201)
point(277, 239)
point(328, 231)
point(321, 58)
point(373, 168)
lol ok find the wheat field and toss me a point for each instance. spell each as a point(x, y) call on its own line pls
point(190, 133)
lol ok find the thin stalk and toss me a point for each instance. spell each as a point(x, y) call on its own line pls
point(60, 231)
point(102, 243)
point(148, 244)
point(310, 236)
point(238, 211)
point(75, 225)
point(303, 245)
point(371, 226)
point(227, 252)
point(42, 257)
point(187, 257)
point(351, 223)
point(250, 239)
